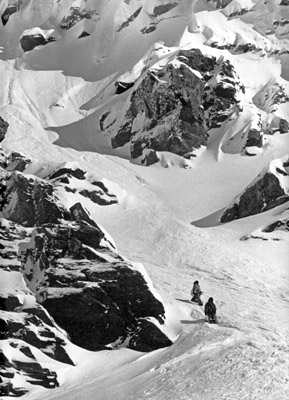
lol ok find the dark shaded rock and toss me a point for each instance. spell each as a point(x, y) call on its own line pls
point(9, 303)
point(37, 375)
point(74, 15)
point(3, 128)
point(148, 29)
point(31, 201)
point(103, 301)
point(254, 138)
point(36, 333)
point(79, 214)
point(78, 173)
point(262, 196)
point(246, 48)
point(29, 42)
point(173, 106)
point(283, 126)
point(172, 109)
point(196, 60)
point(122, 87)
point(129, 20)
point(280, 225)
point(163, 8)
point(221, 3)
point(150, 158)
point(227, 92)
point(10, 235)
point(83, 34)
point(11, 9)
point(17, 162)
point(284, 3)
point(97, 197)
point(3, 160)
point(148, 337)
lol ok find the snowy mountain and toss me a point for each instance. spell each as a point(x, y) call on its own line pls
point(144, 145)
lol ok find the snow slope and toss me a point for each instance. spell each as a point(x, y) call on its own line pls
point(245, 356)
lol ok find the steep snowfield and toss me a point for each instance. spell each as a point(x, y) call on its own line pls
point(166, 218)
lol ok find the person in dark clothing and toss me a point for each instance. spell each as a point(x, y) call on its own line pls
point(196, 293)
point(210, 310)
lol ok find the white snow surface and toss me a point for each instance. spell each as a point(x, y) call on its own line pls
point(244, 356)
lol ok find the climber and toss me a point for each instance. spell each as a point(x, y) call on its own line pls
point(210, 310)
point(196, 293)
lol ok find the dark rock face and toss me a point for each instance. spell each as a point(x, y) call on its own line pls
point(122, 87)
point(78, 173)
point(254, 138)
point(280, 225)
point(96, 191)
point(3, 159)
point(3, 128)
point(172, 109)
point(284, 126)
point(17, 162)
point(284, 3)
point(220, 3)
point(164, 8)
point(10, 235)
point(11, 9)
point(74, 15)
point(129, 20)
point(34, 332)
point(73, 269)
point(103, 301)
point(30, 201)
point(29, 42)
point(148, 337)
point(265, 194)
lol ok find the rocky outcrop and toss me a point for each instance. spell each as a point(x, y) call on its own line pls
point(254, 138)
point(172, 108)
point(265, 193)
point(29, 42)
point(220, 3)
point(73, 267)
point(3, 128)
point(283, 126)
point(11, 9)
point(10, 235)
point(74, 15)
point(78, 289)
point(17, 162)
point(29, 201)
point(90, 188)
point(279, 225)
